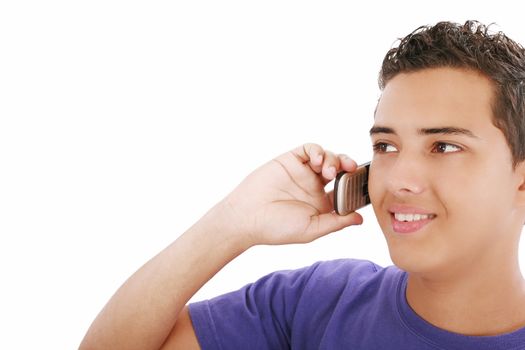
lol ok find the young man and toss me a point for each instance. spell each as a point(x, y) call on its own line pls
point(447, 184)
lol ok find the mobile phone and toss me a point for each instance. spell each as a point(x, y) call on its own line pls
point(351, 190)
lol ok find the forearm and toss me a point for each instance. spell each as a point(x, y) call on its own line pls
point(143, 311)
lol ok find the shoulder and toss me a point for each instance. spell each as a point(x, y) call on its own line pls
point(342, 293)
point(345, 270)
point(329, 271)
point(342, 276)
point(338, 267)
point(333, 272)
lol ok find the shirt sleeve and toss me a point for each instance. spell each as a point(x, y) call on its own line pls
point(257, 316)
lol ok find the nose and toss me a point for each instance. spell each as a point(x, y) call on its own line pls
point(405, 177)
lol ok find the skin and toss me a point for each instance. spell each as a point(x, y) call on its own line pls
point(463, 266)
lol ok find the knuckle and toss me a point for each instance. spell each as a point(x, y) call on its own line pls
point(312, 147)
point(331, 157)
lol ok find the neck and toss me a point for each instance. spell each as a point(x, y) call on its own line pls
point(481, 299)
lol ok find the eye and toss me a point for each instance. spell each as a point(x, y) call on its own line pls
point(382, 147)
point(443, 147)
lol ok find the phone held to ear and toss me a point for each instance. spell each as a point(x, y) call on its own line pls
point(351, 190)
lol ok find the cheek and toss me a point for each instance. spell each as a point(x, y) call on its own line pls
point(375, 187)
point(377, 190)
point(475, 201)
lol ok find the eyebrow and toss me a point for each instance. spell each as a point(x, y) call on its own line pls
point(444, 130)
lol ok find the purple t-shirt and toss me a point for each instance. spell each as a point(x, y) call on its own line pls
point(339, 304)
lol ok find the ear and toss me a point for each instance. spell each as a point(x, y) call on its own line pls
point(520, 176)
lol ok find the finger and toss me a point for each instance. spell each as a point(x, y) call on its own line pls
point(330, 165)
point(310, 153)
point(343, 163)
point(347, 163)
point(324, 224)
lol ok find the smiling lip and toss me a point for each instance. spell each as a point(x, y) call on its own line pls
point(405, 227)
point(408, 226)
point(405, 209)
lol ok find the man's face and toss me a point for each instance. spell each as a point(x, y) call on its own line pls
point(438, 152)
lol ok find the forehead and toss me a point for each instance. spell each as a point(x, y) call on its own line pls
point(441, 96)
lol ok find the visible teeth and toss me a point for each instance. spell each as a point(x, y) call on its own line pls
point(412, 217)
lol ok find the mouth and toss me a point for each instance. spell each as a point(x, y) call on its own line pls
point(410, 223)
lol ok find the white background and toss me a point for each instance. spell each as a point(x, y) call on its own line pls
point(123, 122)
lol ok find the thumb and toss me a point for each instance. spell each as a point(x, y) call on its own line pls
point(324, 224)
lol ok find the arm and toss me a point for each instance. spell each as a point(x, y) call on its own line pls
point(281, 202)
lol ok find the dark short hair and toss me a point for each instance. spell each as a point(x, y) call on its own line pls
point(470, 46)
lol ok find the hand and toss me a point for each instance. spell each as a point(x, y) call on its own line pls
point(284, 201)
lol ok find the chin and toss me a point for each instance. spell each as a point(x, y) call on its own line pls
point(413, 259)
point(405, 262)
point(408, 265)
